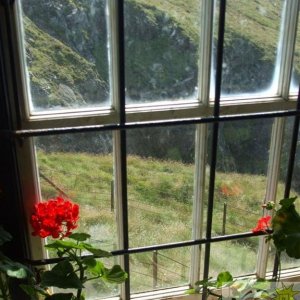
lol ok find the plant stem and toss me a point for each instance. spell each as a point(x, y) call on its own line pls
point(3, 288)
point(78, 261)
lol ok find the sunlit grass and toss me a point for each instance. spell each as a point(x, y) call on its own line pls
point(160, 195)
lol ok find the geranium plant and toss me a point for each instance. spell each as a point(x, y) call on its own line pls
point(57, 218)
point(283, 228)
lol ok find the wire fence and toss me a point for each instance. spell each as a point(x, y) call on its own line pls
point(164, 268)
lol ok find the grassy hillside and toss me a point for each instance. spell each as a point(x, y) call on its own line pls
point(57, 71)
point(160, 210)
point(67, 49)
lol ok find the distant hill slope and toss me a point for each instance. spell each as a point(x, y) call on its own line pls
point(67, 49)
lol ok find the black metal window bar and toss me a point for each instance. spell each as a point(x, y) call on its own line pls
point(123, 126)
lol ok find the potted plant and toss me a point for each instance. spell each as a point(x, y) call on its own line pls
point(78, 261)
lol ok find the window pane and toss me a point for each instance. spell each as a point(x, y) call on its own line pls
point(66, 54)
point(80, 166)
point(287, 262)
point(250, 52)
point(237, 257)
point(161, 40)
point(160, 184)
point(159, 269)
point(296, 66)
point(240, 184)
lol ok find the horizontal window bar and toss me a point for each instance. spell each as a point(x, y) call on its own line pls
point(127, 126)
point(161, 246)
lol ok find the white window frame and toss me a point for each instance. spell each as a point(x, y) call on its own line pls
point(197, 108)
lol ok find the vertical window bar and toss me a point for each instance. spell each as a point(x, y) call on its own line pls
point(287, 44)
point(117, 65)
point(220, 47)
point(271, 188)
point(289, 174)
point(125, 293)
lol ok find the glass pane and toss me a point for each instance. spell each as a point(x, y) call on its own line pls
point(240, 184)
point(250, 53)
point(80, 166)
point(238, 257)
point(66, 54)
point(161, 40)
point(159, 269)
point(160, 184)
point(286, 261)
point(296, 66)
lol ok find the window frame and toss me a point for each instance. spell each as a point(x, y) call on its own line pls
point(120, 118)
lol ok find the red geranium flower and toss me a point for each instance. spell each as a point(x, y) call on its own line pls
point(56, 217)
point(263, 224)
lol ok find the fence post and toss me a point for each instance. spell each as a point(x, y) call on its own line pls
point(154, 259)
point(112, 200)
point(224, 218)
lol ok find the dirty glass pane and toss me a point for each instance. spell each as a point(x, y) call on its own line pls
point(156, 270)
point(66, 54)
point(296, 65)
point(161, 42)
point(241, 177)
point(160, 184)
point(251, 47)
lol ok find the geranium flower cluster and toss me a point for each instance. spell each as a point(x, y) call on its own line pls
point(56, 217)
point(263, 224)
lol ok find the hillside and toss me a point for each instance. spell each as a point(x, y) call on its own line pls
point(67, 44)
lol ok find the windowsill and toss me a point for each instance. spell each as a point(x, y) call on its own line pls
point(178, 293)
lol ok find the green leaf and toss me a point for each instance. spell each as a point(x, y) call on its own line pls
point(31, 290)
point(4, 236)
point(292, 245)
point(89, 261)
point(262, 284)
point(190, 291)
point(95, 251)
point(60, 244)
point(60, 296)
point(115, 275)
point(15, 269)
point(98, 269)
point(80, 237)
point(61, 276)
point(223, 278)
point(287, 202)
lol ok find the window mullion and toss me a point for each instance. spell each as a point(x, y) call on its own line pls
point(287, 44)
point(271, 188)
point(30, 186)
point(118, 195)
point(113, 52)
point(199, 192)
point(205, 50)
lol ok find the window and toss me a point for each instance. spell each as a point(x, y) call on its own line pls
point(169, 122)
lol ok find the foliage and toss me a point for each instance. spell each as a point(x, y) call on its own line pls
point(226, 287)
point(9, 268)
point(56, 218)
point(286, 228)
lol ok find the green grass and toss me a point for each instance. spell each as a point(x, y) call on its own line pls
point(160, 208)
